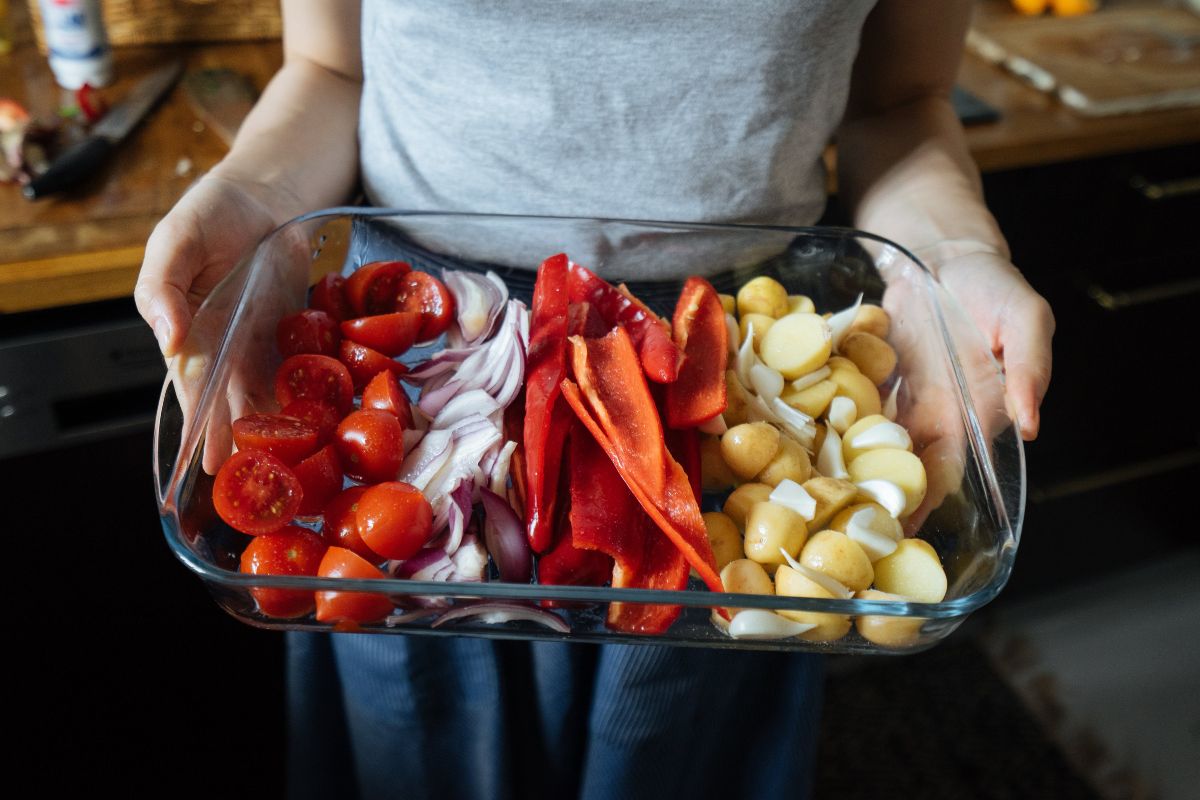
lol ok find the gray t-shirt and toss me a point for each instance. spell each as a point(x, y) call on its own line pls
point(689, 110)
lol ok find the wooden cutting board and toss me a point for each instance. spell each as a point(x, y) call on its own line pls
point(1116, 61)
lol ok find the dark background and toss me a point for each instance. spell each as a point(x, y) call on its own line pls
point(130, 676)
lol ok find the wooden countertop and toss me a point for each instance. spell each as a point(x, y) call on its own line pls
point(87, 245)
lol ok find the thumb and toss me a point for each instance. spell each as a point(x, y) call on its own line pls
point(170, 265)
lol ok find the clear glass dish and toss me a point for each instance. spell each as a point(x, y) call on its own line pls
point(951, 400)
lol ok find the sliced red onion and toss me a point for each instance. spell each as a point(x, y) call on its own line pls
point(408, 616)
point(423, 565)
point(475, 401)
point(498, 471)
point(426, 459)
point(496, 613)
point(478, 300)
point(453, 516)
point(506, 540)
point(470, 560)
point(442, 362)
point(490, 367)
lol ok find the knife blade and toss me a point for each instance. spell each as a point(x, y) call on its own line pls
point(82, 159)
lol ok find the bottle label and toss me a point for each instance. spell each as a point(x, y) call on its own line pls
point(74, 28)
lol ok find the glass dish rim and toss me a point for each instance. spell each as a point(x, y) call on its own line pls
point(1007, 546)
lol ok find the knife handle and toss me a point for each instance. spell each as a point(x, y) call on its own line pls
point(78, 162)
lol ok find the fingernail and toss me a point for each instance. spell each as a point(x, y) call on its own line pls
point(162, 332)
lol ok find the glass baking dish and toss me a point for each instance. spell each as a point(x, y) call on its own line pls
point(951, 399)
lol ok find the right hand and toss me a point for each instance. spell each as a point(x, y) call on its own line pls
point(193, 247)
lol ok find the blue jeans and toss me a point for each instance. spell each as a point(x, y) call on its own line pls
point(418, 717)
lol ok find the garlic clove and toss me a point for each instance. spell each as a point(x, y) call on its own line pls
point(886, 493)
point(830, 461)
point(801, 426)
point(885, 434)
point(794, 496)
point(889, 405)
point(842, 413)
point(840, 322)
point(866, 534)
point(811, 379)
point(758, 623)
point(716, 426)
point(746, 357)
point(768, 383)
point(831, 585)
point(735, 333)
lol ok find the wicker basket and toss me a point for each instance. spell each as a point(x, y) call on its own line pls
point(169, 21)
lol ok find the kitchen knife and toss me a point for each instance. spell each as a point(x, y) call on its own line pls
point(82, 159)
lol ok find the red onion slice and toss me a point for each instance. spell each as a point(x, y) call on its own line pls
point(470, 560)
point(497, 613)
point(478, 300)
point(504, 534)
point(427, 459)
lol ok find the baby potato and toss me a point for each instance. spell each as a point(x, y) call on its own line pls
point(763, 295)
point(896, 466)
point(743, 576)
point(797, 344)
point(749, 447)
point(857, 387)
point(800, 304)
point(724, 537)
point(832, 495)
point(841, 362)
point(873, 320)
point(887, 631)
point(771, 526)
point(813, 400)
point(728, 303)
point(913, 571)
point(790, 583)
point(893, 437)
point(735, 399)
point(834, 554)
point(715, 474)
point(790, 462)
point(738, 504)
point(762, 323)
point(874, 357)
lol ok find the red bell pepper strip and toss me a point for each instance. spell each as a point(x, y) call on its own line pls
point(546, 421)
point(566, 564)
point(606, 517)
point(684, 446)
point(620, 414)
point(698, 394)
point(659, 356)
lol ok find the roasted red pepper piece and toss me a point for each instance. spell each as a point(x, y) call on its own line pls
point(546, 420)
point(659, 356)
point(684, 446)
point(620, 414)
point(606, 517)
point(565, 564)
point(698, 394)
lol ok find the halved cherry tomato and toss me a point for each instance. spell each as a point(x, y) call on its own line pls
point(322, 417)
point(420, 291)
point(288, 551)
point(370, 443)
point(287, 438)
point(372, 287)
point(356, 607)
point(365, 363)
point(308, 331)
point(321, 476)
point(390, 334)
point(384, 393)
point(341, 524)
point(394, 519)
point(329, 295)
point(256, 493)
point(312, 377)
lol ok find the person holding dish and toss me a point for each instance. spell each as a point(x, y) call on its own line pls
point(665, 110)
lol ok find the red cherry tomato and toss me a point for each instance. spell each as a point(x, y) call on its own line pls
point(287, 438)
point(371, 445)
point(288, 551)
point(308, 331)
point(390, 334)
point(420, 291)
point(322, 417)
point(384, 393)
point(341, 524)
point(321, 477)
point(256, 493)
point(365, 363)
point(394, 519)
point(329, 295)
point(372, 287)
point(356, 607)
point(312, 377)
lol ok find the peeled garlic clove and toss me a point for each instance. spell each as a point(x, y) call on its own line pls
point(831, 585)
point(830, 461)
point(801, 426)
point(889, 405)
point(746, 358)
point(768, 383)
point(840, 322)
point(758, 623)
point(716, 426)
point(735, 333)
point(886, 493)
point(842, 413)
point(811, 379)
point(794, 496)
point(885, 434)
point(863, 529)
